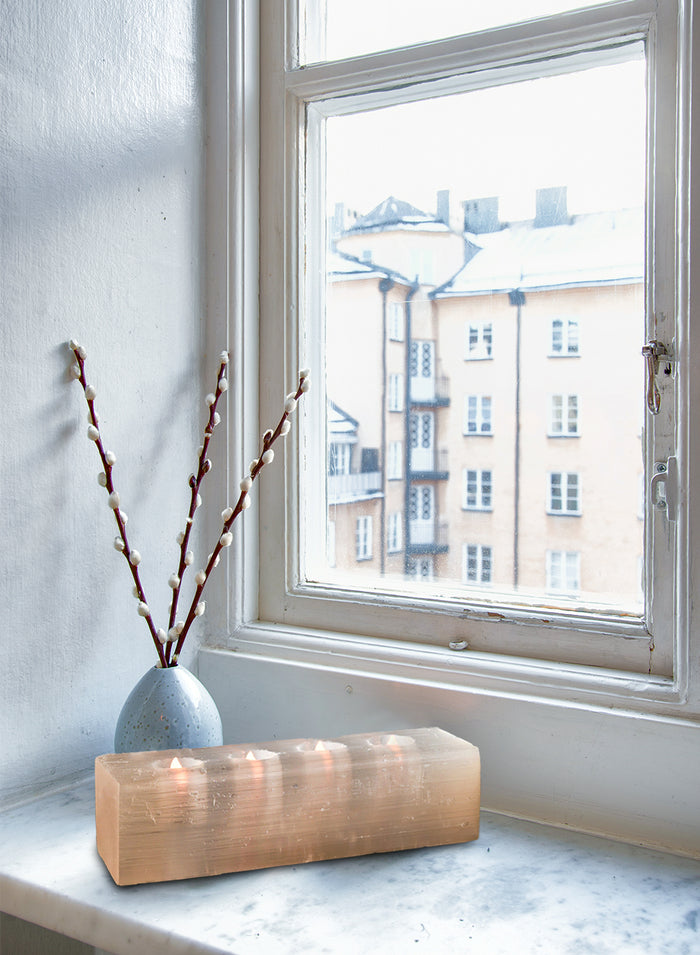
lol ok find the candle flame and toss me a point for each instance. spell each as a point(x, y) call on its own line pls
point(176, 764)
point(392, 740)
point(250, 754)
point(321, 747)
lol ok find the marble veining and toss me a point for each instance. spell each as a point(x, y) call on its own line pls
point(521, 888)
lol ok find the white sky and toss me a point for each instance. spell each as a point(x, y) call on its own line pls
point(354, 27)
point(585, 130)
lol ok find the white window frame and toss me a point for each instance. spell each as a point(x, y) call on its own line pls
point(559, 416)
point(481, 499)
point(559, 565)
point(567, 322)
point(396, 321)
point(343, 457)
point(478, 411)
point(482, 350)
point(283, 593)
point(569, 493)
point(395, 462)
point(477, 552)
point(363, 537)
point(396, 392)
point(394, 535)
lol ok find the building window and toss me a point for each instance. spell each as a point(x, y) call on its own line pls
point(363, 538)
point(563, 571)
point(396, 321)
point(563, 493)
point(395, 392)
point(422, 370)
point(477, 490)
point(394, 469)
point(564, 338)
point(339, 454)
point(563, 416)
point(421, 568)
point(477, 561)
point(479, 341)
point(478, 417)
point(394, 537)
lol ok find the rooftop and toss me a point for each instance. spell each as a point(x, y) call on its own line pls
point(593, 249)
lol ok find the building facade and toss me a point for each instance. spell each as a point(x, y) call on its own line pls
point(498, 405)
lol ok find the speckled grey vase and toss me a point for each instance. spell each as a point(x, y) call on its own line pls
point(167, 709)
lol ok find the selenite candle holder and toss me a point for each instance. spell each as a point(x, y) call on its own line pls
point(180, 814)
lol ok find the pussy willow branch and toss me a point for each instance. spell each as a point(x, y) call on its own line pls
point(132, 556)
point(195, 483)
point(229, 515)
point(178, 631)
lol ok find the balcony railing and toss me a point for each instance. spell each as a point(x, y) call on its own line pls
point(430, 391)
point(344, 487)
point(430, 463)
point(428, 536)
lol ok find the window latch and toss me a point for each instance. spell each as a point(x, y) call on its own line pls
point(664, 487)
point(655, 352)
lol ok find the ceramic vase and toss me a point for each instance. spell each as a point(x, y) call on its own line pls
point(167, 709)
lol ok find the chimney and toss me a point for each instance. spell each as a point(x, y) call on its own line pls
point(481, 215)
point(551, 207)
point(443, 206)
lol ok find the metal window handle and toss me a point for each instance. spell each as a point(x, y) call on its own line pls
point(663, 487)
point(654, 351)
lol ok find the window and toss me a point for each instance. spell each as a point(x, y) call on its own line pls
point(479, 340)
point(564, 337)
point(477, 490)
point(563, 493)
point(396, 321)
point(507, 83)
point(421, 568)
point(477, 564)
point(563, 415)
point(395, 392)
point(394, 537)
point(422, 441)
point(563, 571)
point(422, 370)
point(339, 458)
point(421, 514)
point(394, 470)
point(478, 415)
point(363, 538)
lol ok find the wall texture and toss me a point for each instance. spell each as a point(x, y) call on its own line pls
point(101, 186)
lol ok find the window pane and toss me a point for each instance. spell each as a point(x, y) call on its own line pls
point(504, 224)
point(335, 29)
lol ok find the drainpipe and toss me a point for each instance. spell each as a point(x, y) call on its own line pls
point(407, 433)
point(385, 286)
point(517, 299)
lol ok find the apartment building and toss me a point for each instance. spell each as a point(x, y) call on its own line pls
point(486, 383)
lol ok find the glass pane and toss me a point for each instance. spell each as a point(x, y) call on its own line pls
point(506, 227)
point(336, 29)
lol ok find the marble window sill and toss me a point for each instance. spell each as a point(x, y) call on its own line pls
point(521, 888)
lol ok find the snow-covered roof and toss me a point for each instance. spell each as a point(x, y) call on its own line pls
point(347, 266)
point(394, 213)
point(592, 249)
point(340, 422)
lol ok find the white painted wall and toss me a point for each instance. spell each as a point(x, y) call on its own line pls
point(101, 226)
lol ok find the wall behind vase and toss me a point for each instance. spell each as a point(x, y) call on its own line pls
point(101, 236)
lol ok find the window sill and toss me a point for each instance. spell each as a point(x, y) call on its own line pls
point(598, 751)
point(536, 886)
